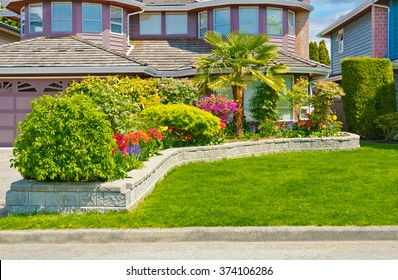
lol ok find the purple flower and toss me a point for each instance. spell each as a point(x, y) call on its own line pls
point(134, 150)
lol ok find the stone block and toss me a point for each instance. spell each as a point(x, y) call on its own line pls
point(37, 198)
point(15, 198)
point(22, 185)
point(62, 199)
point(114, 200)
point(87, 199)
point(43, 187)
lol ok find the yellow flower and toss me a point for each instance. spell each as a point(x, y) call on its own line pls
point(334, 118)
point(162, 129)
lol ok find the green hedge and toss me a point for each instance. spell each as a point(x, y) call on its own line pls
point(369, 89)
point(65, 139)
point(122, 98)
point(185, 119)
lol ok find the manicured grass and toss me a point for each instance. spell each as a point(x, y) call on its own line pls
point(358, 187)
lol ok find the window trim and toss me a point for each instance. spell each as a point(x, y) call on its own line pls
point(23, 17)
point(277, 9)
point(161, 23)
point(207, 23)
point(214, 19)
point(258, 17)
point(340, 40)
point(177, 13)
point(92, 20)
point(30, 20)
point(288, 23)
point(52, 17)
point(115, 23)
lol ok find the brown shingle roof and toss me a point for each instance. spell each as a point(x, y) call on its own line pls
point(169, 55)
point(60, 52)
point(167, 2)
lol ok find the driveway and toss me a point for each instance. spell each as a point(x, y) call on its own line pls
point(7, 175)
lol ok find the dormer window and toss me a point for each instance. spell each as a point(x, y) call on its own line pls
point(116, 20)
point(92, 18)
point(274, 21)
point(222, 21)
point(36, 18)
point(176, 23)
point(292, 23)
point(151, 24)
point(248, 20)
point(62, 17)
point(202, 23)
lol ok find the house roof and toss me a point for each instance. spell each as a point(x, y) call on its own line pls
point(60, 54)
point(71, 55)
point(9, 29)
point(179, 55)
point(186, 5)
point(351, 16)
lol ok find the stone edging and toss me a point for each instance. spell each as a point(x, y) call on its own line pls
point(28, 196)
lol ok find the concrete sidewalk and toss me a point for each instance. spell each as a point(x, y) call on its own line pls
point(7, 175)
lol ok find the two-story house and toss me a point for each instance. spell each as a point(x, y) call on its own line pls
point(68, 40)
point(369, 30)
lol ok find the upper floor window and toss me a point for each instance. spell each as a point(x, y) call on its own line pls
point(340, 40)
point(116, 20)
point(36, 18)
point(151, 24)
point(22, 21)
point(62, 16)
point(202, 23)
point(176, 23)
point(292, 23)
point(222, 22)
point(248, 20)
point(274, 21)
point(92, 17)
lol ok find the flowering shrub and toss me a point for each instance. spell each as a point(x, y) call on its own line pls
point(313, 128)
point(219, 106)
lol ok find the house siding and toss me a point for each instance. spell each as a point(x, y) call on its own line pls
point(357, 42)
point(394, 29)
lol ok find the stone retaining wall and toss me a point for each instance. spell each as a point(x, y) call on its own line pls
point(29, 196)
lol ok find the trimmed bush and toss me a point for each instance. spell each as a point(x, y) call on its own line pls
point(189, 122)
point(65, 139)
point(370, 92)
point(177, 91)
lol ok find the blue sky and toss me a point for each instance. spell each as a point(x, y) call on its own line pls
point(328, 11)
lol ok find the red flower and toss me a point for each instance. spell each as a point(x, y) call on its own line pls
point(302, 123)
point(223, 125)
point(189, 137)
point(320, 124)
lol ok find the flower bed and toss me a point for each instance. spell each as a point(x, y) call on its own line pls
point(29, 196)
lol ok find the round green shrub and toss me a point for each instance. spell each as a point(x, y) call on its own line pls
point(65, 138)
point(201, 125)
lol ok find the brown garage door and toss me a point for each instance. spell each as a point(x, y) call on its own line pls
point(15, 97)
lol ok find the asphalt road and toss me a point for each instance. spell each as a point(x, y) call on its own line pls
point(326, 250)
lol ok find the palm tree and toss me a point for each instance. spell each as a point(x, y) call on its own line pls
point(239, 60)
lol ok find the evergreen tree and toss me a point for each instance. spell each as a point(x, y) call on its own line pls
point(323, 53)
point(314, 52)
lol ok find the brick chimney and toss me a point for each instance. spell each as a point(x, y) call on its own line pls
point(302, 33)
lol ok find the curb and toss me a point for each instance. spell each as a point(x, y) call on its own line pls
point(201, 234)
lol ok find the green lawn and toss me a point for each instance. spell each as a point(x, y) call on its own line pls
point(358, 187)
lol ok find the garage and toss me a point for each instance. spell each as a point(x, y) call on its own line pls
point(15, 97)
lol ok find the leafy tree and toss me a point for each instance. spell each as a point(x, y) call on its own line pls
point(314, 52)
point(236, 62)
point(298, 97)
point(323, 53)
